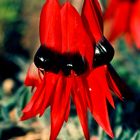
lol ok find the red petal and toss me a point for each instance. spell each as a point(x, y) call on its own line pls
point(50, 84)
point(102, 79)
point(30, 109)
point(34, 76)
point(92, 18)
point(98, 98)
point(67, 112)
point(74, 36)
point(59, 105)
point(128, 39)
point(39, 101)
point(111, 9)
point(113, 78)
point(87, 92)
point(79, 98)
point(120, 20)
point(135, 23)
point(50, 25)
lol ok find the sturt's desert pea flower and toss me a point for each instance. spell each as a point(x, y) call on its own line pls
point(72, 64)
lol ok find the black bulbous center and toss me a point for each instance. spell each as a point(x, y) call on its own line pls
point(47, 59)
point(75, 62)
point(50, 60)
point(104, 53)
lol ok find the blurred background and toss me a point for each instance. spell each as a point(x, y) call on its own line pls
point(19, 39)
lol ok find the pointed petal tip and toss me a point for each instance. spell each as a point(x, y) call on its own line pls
point(109, 132)
point(27, 116)
point(23, 118)
point(111, 135)
point(113, 106)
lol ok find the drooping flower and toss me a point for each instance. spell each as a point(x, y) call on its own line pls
point(124, 18)
point(73, 64)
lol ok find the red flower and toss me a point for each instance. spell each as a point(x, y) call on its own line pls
point(124, 16)
point(70, 41)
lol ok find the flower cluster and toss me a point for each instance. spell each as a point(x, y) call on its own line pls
point(124, 16)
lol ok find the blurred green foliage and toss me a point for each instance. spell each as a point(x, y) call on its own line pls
point(10, 10)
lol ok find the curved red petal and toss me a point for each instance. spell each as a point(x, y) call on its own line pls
point(92, 19)
point(79, 98)
point(39, 101)
point(120, 21)
point(33, 77)
point(74, 36)
point(98, 98)
point(29, 111)
point(51, 80)
point(86, 90)
point(113, 78)
point(103, 81)
point(112, 6)
point(50, 25)
point(135, 23)
point(59, 105)
point(67, 112)
point(129, 39)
